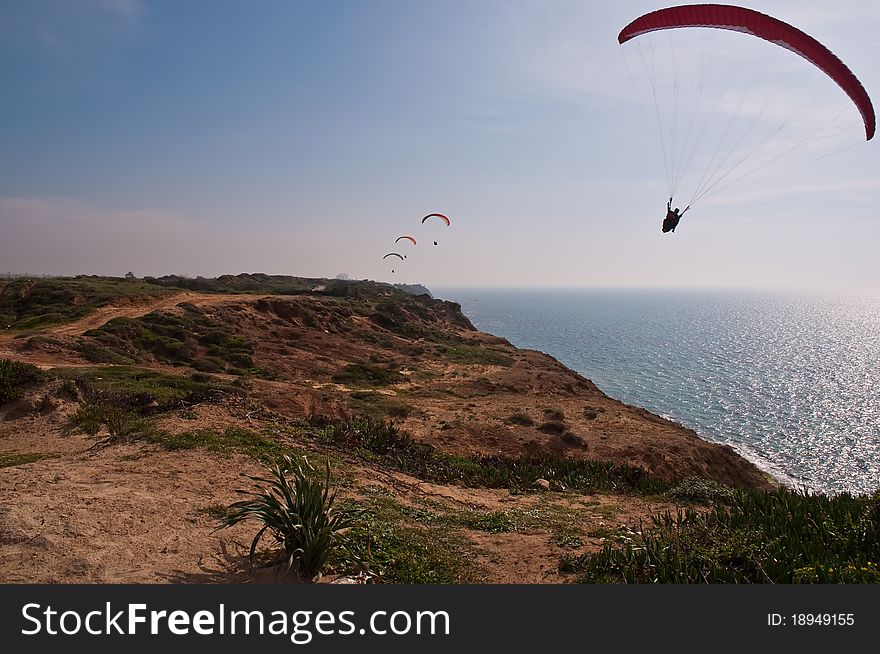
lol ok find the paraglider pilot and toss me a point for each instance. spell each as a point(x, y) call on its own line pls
point(672, 217)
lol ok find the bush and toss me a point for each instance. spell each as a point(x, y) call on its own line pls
point(573, 439)
point(298, 513)
point(14, 376)
point(365, 374)
point(520, 418)
point(121, 423)
point(553, 427)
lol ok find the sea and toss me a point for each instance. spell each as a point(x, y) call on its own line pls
point(789, 380)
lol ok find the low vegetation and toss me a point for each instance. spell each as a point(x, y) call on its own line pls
point(403, 544)
point(778, 536)
point(35, 303)
point(384, 442)
point(368, 374)
point(521, 419)
point(146, 392)
point(9, 459)
point(15, 377)
point(296, 508)
point(467, 354)
point(187, 338)
point(377, 405)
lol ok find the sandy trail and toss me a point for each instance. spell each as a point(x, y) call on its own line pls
point(105, 314)
point(133, 308)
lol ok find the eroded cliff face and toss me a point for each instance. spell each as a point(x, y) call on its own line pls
point(360, 348)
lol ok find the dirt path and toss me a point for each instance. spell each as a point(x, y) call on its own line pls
point(132, 308)
point(105, 314)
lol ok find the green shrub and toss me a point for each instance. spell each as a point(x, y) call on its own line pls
point(14, 376)
point(121, 423)
point(298, 513)
point(366, 374)
point(779, 536)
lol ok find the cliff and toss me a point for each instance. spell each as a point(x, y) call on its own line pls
point(241, 367)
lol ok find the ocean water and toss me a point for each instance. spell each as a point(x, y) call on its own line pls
point(792, 382)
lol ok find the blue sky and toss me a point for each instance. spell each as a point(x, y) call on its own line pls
point(302, 138)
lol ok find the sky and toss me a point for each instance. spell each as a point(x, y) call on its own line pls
point(303, 137)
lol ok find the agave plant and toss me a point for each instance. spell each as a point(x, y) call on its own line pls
point(296, 507)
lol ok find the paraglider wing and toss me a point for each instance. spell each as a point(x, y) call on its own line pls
point(409, 238)
point(438, 215)
point(393, 254)
point(740, 19)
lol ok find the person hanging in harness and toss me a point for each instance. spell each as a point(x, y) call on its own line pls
point(672, 217)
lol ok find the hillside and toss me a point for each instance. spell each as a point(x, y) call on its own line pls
point(157, 394)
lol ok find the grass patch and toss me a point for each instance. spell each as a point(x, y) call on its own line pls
point(367, 374)
point(561, 522)
point(144, 391)
point(698, 490)
point(376, 405)
point(9, 459)
point(15, 376)
point(470, 355)
point(121, 424)
point(125, 426)
point(393, 447)
point(779, 536)
point(233, 439)
point(392, 543)
point(568, 540)
point(99, 354)
point(494, 522)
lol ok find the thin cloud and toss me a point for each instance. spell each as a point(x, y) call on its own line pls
point(129, 10)
point(49, 38)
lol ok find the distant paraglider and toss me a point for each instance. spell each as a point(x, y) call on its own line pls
point(394, 254)
point(438, 215)
point(445, 219)
point(412, 239)
point(405, 238)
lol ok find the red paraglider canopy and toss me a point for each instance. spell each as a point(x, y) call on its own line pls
point(740, 19)
point(439, 215)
